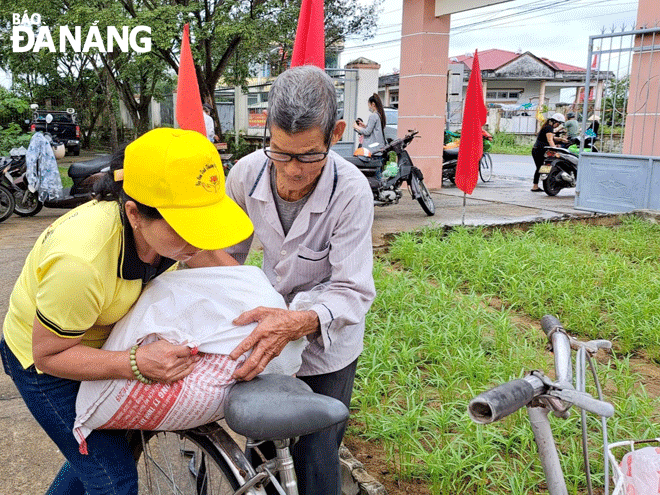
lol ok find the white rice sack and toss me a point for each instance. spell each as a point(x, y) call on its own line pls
point(196, 307)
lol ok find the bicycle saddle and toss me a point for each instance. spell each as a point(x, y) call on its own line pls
point(449, 154)
point(275, 407)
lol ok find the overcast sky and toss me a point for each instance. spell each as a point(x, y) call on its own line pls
point(555, 29)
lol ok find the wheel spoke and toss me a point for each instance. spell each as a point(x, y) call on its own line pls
point(177, 464)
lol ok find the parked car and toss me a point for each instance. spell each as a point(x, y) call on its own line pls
point(63, 127)
point(392, 120)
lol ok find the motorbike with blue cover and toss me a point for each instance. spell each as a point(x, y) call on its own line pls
point(387, 168)
point(82, 174)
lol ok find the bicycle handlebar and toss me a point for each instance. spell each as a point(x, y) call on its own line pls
point(504, 399)
point(586, 402)
point(561, 348)
point(507, 398)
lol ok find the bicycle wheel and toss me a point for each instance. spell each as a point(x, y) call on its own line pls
point(424, 197)
point(182, 463)
point(486, 167)
point(7, 203)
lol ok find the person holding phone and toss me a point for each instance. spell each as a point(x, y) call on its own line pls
point(374, 131)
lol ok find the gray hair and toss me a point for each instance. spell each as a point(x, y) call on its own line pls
point(302, 98)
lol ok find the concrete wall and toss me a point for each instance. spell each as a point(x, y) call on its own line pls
point(621, 183)
point(423, 85)
point(366, 84)
point(643, 114)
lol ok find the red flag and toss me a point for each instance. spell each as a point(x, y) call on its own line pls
point(472, 146)
point(189, 113)
point(309, 47)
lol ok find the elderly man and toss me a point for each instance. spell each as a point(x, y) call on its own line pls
point(312, 212)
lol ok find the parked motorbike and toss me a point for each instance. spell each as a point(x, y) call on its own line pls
point(83, 175)
point(450, 157)
point(560, 165)
point(387, 168)
point(589, 142)
point(7, 202)
point(559, 170)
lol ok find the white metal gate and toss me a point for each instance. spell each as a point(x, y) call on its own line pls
point(622, 95)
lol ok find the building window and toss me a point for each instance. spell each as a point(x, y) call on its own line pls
point(503, 94)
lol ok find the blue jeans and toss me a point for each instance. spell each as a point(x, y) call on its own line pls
point(109, 468)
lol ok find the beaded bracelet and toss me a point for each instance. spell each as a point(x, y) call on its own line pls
point(135, 369)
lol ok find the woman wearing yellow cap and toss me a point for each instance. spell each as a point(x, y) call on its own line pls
point(163, 201)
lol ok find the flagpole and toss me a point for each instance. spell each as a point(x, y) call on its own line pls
point(463, 219)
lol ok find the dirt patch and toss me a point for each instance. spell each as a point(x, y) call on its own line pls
point(373, 455)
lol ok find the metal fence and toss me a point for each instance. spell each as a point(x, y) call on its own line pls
point(520, 120)
point(621, 86)
point(625, 175)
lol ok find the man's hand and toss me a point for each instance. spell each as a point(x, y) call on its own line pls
point(276, 328)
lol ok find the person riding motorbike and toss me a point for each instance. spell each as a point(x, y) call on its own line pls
point(572, 127)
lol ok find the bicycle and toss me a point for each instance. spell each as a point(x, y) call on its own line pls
point(486, 167)
point(542, 395)
point(207, 461)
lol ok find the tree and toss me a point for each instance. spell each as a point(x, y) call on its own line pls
point(62, 80)
point(12, 109)
point(228, 37)
point(615, 100)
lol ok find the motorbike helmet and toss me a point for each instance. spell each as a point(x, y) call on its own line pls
point(362, 152)
point(570, 115)
point(557, 117)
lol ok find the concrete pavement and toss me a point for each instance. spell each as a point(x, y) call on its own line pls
point(506, 199)
point(29, 460)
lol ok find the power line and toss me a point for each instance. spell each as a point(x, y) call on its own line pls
point(458, 31)
point(520, 14)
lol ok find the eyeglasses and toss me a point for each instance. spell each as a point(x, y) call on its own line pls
point(280, 156)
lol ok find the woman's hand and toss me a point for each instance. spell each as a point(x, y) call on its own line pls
point(69, 358)
point(165, 362)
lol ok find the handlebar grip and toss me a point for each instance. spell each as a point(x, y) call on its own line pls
point(500, 401)
point(549, 323)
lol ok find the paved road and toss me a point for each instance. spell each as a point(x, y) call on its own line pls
point(29, 460)
point(513, 166)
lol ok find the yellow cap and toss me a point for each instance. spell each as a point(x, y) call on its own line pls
point(179, 173)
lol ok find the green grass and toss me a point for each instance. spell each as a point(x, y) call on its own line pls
point(434, 341)
point(66, 180)
point(457, 314)
point(600, 281)
point(505, 143)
